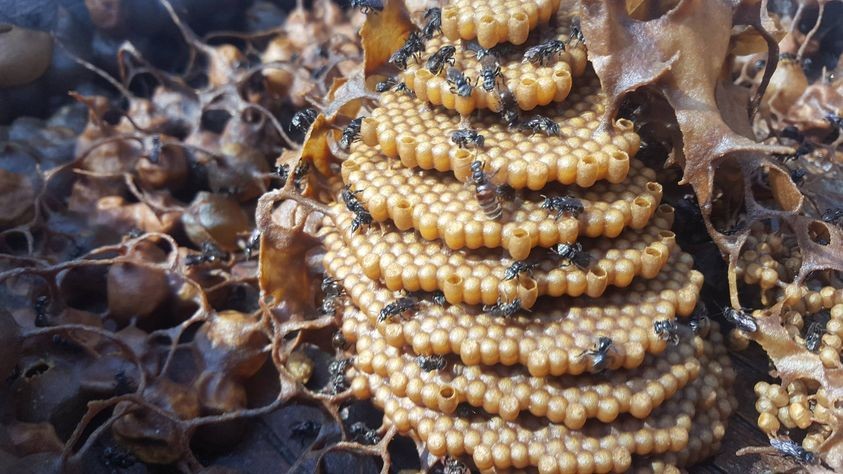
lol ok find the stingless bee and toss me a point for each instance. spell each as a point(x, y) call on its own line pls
point(437, 61)
point(543, 52)
point(460, 85)
point(490, 72)
point(502, 309)
point(430, 363)
point(434, 22)
point(468, 137)
point(518, 268)
point(540, 123)
point(397, 307)
point(485, 191)
point(563, 205)
point(303, 119)
point(668, 330)
point(573, 253)
point(600, 354)
point(351, 133)
point(741, 319)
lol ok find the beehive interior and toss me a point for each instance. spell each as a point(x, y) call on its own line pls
point(521, 390)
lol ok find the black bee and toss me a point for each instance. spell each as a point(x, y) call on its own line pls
point(741, 319)
point(351, 133)
point(330, 287)
point(329, 306)
point(306, 429)
point(361, 433)
point(399, 58)
point(413, 47)
point(468, 137)
point(510, 113)
point(466, 410)
point(573, 254)
point(397, 307)
point(667, 330)
point(506, 310)
point(210, 254)
point(699, 321)
point(600, 354)
point(542, 53)
point(798, 175)
point(506, 192)
point(253, 244)
point(338, 341)
point(134, 233)
point(479, 51)
point(41, 306)
point(336, 376)
point(460, 85)
point(490, 73)
point(367, 6)
point(437, 60)
point(300, 174)
point(390, 83)
point(430, 363)
point(303, 119)
point(434, 22)
point(349, 197)
point(283, 172)
point(454, 466)
point(790, 449)
point(361, 214)
point(833, 216)
point(576, 32)
point(814, 336)
point(155, 151)
point(386, 84)
point(540, 123)
point(485, 191)
point(517, 268)
point(439, 298)
point(563, 205)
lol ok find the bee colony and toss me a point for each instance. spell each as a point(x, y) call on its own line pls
point(513, 294)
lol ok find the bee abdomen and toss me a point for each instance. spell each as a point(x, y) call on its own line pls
point(488, 200)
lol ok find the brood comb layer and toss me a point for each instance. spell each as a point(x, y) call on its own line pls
point(491, 22)
point(547, 340)
point(531, 84)
point(441, 207)
point(581, 155)
point(404, 261)
point(494, 442)
point(518, 389)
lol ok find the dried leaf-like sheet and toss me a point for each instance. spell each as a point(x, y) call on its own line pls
point(383, 33)
point(684, 53)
